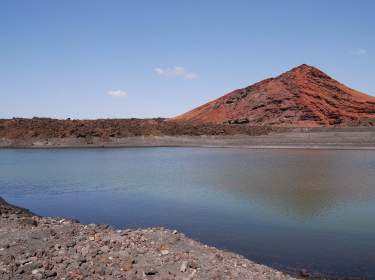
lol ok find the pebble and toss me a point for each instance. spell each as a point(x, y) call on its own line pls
point(184, 266)
point(64, 249)
point(105, 249)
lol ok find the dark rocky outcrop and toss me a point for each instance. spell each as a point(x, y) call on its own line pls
point(45, 128)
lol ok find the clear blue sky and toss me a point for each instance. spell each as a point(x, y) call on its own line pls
point(75, 58)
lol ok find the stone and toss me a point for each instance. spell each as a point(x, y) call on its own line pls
point(150, 272)
point(104, 249)
point(184, 266)
point(84, 251)
point(304, 273)
point(164, 252)
point(51, 274)
point(69, 254)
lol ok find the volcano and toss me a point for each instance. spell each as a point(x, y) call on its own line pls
point(302, 97)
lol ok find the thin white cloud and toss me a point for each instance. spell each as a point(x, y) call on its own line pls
point(117, 93)
point(191, 76)
point(176, 71)
point(358, 52)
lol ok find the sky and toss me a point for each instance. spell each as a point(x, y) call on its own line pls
point(119, 59)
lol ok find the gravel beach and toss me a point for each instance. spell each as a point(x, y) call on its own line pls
point(34, 247)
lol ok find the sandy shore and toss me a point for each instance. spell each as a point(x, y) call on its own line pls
point(33, 247)
point(320, 139)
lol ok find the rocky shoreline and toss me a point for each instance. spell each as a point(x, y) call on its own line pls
point(52, 133)
point(34, 247)
point(321, 139)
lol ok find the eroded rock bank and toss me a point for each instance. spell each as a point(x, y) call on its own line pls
point(33, 247)
point(51, 133)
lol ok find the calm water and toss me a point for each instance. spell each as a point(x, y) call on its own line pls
point(285, 208)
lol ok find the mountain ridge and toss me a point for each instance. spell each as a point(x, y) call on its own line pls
point(303, 97)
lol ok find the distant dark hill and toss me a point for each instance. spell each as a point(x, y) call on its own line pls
point(45, 128)
point(301, 97)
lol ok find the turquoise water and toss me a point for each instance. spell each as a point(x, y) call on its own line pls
point(290, 209)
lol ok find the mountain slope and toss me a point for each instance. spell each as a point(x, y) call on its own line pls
point(303, 96)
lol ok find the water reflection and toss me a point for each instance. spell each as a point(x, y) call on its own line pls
point(286, 208)
point(301, 184)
